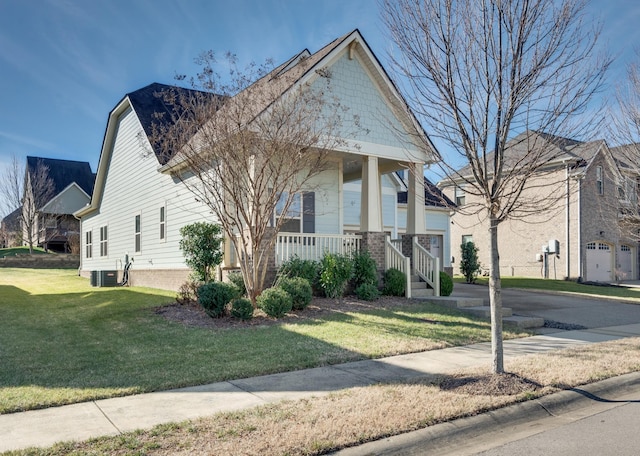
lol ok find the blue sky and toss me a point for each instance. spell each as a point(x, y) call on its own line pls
point(64, 64)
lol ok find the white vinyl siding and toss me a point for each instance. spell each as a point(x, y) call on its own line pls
point(133, 180)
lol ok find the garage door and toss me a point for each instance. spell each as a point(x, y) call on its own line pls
point(625, 262)
point(599, 261)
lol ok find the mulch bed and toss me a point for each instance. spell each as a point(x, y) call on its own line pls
point(193, 315)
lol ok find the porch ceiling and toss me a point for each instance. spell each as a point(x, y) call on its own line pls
point(352, 166)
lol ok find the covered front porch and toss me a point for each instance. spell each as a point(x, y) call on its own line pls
point(408, 252)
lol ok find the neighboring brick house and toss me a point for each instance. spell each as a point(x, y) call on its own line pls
point(68, 188)
point(10, 229)
point(588, 190)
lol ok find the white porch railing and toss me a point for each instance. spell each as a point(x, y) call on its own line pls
point(395, 259)
point(314, 246)
point(426, 266)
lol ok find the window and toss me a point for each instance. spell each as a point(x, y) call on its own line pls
point(88, 244)
point(137, 234)
point(300, 217)
point(599, 180)
point(467, 238)
point(163, 223)
point(625, 248)
point(103, 241)
point(292, 222)
point(459, 196)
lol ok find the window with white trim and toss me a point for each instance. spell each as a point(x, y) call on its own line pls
point(163, 223)
point(88, 244)
point(599, 180)
point(467, 238)
point(137, 234)
point(103, 241)
point(459, 196)
point(300, 216)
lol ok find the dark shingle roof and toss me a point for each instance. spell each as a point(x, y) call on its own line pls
point(152, 107)
point(432, 196)
point(65, 172)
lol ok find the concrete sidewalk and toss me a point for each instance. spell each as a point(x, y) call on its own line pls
point(118, 415)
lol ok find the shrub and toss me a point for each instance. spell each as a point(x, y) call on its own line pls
point(275, 302)
point(188, 293)
point(367, 292)
point(295, 267)
point(214, 297)
point(446, 284)
point(364, 270)
point(237, 279)
point(335, 272)
point(299, 289)
point(469, 264)
point(394, 282)
point(201, 244)
point(242, 308)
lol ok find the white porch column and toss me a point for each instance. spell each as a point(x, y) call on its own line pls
point(371, 198)
point(415, 200)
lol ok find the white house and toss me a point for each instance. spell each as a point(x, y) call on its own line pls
point(138, 208)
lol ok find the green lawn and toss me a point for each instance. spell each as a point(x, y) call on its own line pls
point(13, 251)
point(628, 293)
point(62, 341)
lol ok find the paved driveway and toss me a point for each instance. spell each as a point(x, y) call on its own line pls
point(588, 312)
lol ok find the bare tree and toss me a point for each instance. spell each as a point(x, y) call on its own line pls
point(35, 191)
point(478, 73)
point(625, 133)
point(249, 145)
point(11, 186)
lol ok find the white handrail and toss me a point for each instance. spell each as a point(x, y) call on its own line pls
point(395, 259)
point(426, 266)
point(311, 246)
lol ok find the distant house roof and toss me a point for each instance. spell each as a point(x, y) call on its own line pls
point(11, 222)
point(556, 148)
point(432, 196)
point(65, 172)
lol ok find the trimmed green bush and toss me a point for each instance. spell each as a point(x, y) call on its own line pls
point(242, 308)
point(296, 267)
point(214, 297)
point(367, 292)
point(299, 289)
point(364, 270)
point(237, 279)
point(394, 282)
point(469, 263)
point(275, 302)
point(202, 246)
point(335, 272)
point(446, 284)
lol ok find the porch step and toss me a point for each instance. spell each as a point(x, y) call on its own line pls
point(485, 311)
point(522, 322)
point(420, 289)
point(456, 302)
point(421, 292)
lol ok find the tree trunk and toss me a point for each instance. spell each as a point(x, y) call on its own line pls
point(495, 300)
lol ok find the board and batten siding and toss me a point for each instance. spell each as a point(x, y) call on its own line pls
point(438, 222)
point(133, 186)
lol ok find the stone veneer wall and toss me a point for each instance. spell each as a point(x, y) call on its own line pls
point(57, 261)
